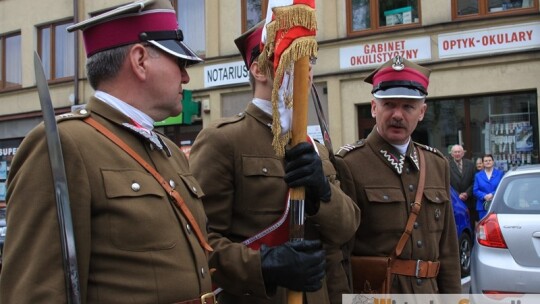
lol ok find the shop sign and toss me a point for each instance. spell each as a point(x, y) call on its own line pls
point(489, 40)
point(374, 54)
point(225, 74)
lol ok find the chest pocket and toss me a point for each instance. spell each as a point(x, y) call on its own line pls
point(386, 209)
point(262, 179)
point(436, 200)
point(138, 212)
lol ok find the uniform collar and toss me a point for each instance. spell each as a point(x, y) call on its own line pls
point(390, 155)
point(108, 112)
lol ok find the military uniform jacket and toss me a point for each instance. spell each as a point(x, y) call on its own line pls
point(245, 192)
point(133, 244)
point(383, 183)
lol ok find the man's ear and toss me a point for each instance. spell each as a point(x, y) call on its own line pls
point(137, 60)
point(257, 72)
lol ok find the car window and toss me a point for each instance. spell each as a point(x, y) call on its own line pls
point(519, 194)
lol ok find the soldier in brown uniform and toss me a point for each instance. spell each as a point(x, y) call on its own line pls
point(385, 195)
point(133, 244)
point(246, 188)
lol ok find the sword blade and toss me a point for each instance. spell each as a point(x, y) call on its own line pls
point(56, 158)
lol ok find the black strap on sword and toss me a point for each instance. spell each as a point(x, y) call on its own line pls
point(67, 238)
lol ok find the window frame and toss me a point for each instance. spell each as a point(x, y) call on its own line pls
point(264, 7)
point(484, 13)
point(3, 60)
point(51, 78)
point(375, 26)
point(175, 6)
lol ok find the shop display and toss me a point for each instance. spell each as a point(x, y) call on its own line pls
point(510, 143)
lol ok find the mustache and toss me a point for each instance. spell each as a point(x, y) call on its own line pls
point(397, 124)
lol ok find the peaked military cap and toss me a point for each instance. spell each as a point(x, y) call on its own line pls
point(151, 21)
point(399, 78)
point(249, 43)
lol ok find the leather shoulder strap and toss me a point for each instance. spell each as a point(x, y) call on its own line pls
point(415, 208)
point(172, 193)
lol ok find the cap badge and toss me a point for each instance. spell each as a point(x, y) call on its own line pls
point(398, 64)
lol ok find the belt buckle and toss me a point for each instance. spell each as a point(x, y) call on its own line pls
point(417, 270)
point(208, 296)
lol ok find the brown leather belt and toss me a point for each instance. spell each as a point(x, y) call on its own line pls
point(207, 298)
point(416, 268)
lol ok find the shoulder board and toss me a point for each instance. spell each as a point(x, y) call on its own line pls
point(350, 147)
point(230, 120)
point(79, 114)
point(430, 149)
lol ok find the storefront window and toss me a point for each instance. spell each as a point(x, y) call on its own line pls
point(468, 8)
point(378, 14)
point(8, 148)
point(503, 125)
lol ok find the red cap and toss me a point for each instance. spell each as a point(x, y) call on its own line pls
point(249, 43)
point(152, 21)
point(399, 78)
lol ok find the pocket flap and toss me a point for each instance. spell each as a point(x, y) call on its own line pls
point(130, 183)
point(385, 195)
point(436, 195)
point(265, 166)
point(192, 185)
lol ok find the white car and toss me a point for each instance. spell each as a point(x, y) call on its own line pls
point(506, 254)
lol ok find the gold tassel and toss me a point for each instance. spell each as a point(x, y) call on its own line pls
point(303, 46)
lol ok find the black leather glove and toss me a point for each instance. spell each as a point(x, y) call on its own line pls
point(298, 265)
point(303, 168)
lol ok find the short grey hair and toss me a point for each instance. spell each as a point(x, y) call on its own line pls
point(105, 65)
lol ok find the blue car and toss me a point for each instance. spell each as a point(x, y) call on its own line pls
point(464, 232)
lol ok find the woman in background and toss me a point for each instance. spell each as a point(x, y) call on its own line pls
point(486, 182)
point(479, 164)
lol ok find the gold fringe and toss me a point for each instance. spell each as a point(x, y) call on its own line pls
point(303, 46)
point(268, 50)
point(286, 17)
point(295, 15)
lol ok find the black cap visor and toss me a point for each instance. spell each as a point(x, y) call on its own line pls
point(177, 49)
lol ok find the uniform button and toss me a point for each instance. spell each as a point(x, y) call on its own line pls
point(419, 282)
point(188, 228)
point(407, 171)
point(172, 183)
point(437, 199)
point(265, 171)
point(419, 244)
point(83, 112)
point(135, 187)
point(385, 197)
point(416, 225)
point(203, 272)
point(411, 188)
point(194, 189)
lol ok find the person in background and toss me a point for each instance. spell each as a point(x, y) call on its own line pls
point(486, 182)
point(381, 174)
point(479, 164)
point(246, 186)
point(462, 173)
point(133, 243)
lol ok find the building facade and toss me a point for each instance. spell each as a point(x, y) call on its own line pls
point(484, 56)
